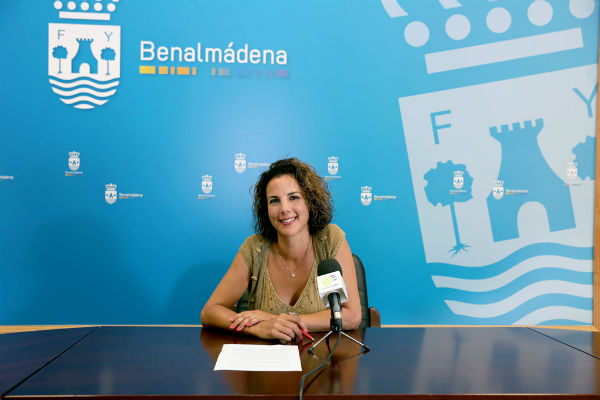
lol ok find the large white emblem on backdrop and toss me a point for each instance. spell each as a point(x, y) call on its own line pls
point(84, 60)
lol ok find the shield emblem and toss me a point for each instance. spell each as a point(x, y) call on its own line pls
point(240, 166)
point(458, 182)
point(366, 198)
point(74, 163)
point(207, 186)
point(332, 168)
point(572, 172)
point(84, 63)
point(110, 196)
point(498, 192)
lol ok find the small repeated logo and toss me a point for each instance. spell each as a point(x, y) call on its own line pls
point(498, 189)
point(458, 181)
point(572, 175)
point(207, 187)
point(84, 60)
point(240, 163)
point(333, 168)
point(366, 197)
point(110, 195)
point(332, 165)
point(207, 184)
point(74, 163)
point(572, 172)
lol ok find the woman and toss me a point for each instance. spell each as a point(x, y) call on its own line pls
point(278, 265)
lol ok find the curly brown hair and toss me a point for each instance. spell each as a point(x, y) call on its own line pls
point(314, 191)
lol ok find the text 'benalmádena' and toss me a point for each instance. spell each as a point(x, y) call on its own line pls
point(215, 55)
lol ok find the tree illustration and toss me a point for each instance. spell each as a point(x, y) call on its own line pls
point(60, 53)
point(585, 154)
point(442, 189)
point(107, 54)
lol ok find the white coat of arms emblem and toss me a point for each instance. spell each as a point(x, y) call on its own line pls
point(207, 184)
point(240, 163)
point(74, 161)
point(572, 171)
point(459, 180)
point(333, 166)
point(366, 196)
point(498, 190)
point(84, 60)
point(110, 195)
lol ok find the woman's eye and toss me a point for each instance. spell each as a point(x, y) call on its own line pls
point(273, 201)
point(294, 197)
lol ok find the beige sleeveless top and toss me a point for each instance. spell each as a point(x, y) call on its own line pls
point(262, 295)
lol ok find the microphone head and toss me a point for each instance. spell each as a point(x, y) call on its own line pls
point(328, 266)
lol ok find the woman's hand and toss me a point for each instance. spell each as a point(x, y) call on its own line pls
point(284, 327)
point(248, 318)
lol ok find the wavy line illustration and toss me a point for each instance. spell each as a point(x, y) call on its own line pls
point(508, 276)
point(527, 293)
point(556, 312)
point(533, 250)
point(84, 90)
point(393, 9)
point(64, 81)
point(76, 83)
point(83, 98)
point(84, 106)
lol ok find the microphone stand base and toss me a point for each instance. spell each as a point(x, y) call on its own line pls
point(326, 337)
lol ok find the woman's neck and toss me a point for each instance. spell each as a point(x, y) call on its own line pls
point(294, 248)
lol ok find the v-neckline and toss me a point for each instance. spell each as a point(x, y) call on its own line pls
point(312, 267)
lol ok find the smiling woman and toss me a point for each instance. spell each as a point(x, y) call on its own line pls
point(278, 265)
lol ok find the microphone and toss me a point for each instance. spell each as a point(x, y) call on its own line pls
point(332, 289)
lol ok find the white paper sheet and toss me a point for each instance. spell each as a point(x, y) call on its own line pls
point(252, 357)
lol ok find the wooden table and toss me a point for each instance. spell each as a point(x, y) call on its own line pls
point(23, 354)
point(447, 363)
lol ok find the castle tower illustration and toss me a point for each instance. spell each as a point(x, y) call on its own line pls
point(524, 167)
point(84, 56)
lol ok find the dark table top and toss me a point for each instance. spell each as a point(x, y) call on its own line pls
point(22, 354)
point(586, 341)
point(454, 362)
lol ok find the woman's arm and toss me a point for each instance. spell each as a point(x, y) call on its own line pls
point(217, 311)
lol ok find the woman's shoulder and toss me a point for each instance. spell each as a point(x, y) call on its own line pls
point(331, 232)
point(330, 238)
point(252, 247)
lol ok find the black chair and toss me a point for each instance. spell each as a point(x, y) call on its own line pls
point(370, 315)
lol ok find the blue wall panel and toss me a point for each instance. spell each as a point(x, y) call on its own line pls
point(405, 96)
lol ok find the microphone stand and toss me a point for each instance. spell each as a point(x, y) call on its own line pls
point(333, 327)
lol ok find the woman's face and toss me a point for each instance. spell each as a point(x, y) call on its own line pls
point(287, 208)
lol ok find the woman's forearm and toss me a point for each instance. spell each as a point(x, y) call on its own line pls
point(216, 315)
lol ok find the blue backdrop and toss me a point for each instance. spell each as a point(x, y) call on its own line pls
point(457, 137)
